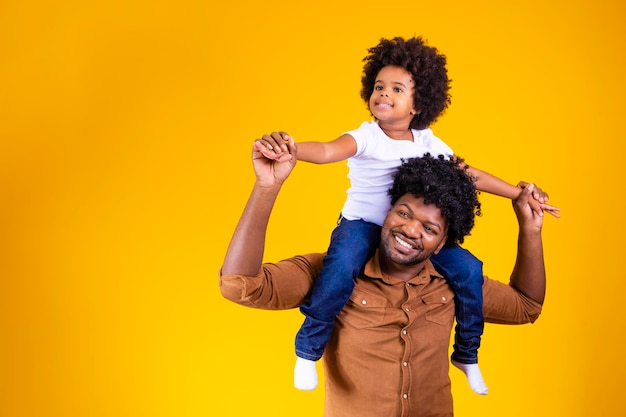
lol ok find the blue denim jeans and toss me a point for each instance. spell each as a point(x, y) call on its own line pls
point(352, 243)
point(464, 272)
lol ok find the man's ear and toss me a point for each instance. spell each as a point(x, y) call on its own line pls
point(441, 245)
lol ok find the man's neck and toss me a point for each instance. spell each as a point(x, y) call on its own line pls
point(402, 272)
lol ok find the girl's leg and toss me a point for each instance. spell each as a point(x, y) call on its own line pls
point(353, 242)
point(464, 273)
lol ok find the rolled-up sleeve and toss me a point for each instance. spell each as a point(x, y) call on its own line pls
point(278, 286)
point(503, 304)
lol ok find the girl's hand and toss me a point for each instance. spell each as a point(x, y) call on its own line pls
point(274, 146)
point(273, 172)
point(538, 201)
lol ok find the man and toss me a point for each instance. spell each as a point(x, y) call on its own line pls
point(388, 355)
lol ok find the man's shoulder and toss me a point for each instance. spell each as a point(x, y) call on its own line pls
point(277, 286)
point(311, 261)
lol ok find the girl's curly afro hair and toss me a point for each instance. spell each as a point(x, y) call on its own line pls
point(447, 184)
point(426, 65)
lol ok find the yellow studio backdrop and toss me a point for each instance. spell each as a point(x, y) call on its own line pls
point(125, 137)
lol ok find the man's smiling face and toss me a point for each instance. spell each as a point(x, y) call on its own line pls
point(411, 233)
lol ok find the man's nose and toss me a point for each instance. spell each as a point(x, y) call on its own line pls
point(413, 229)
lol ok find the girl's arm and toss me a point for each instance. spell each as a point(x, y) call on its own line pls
point(493, 185)
point(273, 147)
point(337, 150)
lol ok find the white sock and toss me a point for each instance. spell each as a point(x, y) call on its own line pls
point(305, 374)
point(474, 376)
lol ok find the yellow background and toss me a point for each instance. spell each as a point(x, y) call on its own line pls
point(125, 134)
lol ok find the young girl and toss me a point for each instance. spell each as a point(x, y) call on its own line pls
point(406, 86)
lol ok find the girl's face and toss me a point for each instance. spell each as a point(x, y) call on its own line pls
point(392, 99)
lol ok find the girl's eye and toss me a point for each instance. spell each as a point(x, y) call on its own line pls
point(378, 88)
point(397, 90)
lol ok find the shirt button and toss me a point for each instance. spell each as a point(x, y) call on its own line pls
point(406, 309)
point(405, 396)
point(443, 298)
point(405, 364)
point(403, 331)
point(363, 302)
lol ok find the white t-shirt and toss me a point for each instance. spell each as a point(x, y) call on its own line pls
point(373, 165)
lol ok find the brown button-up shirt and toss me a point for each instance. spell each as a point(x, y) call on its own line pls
point(388, 355)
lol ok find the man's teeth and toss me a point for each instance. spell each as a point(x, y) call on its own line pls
point(403, 243)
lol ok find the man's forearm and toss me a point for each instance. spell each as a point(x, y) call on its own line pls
point(529, 273)
point(245, 251)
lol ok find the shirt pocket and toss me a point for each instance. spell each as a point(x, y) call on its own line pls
point(365, 310)
point(439, 307)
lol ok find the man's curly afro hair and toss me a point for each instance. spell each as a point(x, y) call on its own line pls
point(447, 184)
point(427, 67)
